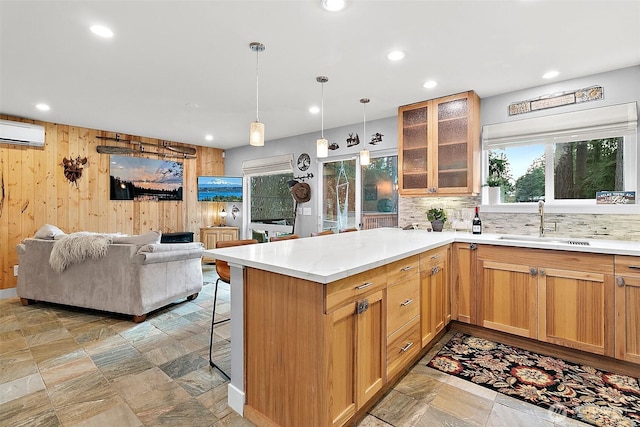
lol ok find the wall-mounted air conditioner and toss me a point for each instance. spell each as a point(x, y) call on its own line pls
point(21, 133)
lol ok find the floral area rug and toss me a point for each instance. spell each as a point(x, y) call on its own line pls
point(576, 391)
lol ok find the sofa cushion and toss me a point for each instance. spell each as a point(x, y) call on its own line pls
point(167, 247)
point(141, 239)
point(49, 232)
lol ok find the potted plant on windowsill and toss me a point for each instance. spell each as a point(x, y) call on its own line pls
point(499, 175)
point(437, 217)
point(495, 183)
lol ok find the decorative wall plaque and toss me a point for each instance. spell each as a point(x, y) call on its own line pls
point(590, 93)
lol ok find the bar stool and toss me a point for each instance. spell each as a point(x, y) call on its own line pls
point(224, 274)
point(284, 237)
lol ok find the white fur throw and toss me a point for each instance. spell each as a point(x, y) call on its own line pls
point(76, 247)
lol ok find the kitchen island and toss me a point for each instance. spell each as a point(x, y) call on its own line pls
point(309, 338)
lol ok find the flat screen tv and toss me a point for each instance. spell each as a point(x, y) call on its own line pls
point(219, 189)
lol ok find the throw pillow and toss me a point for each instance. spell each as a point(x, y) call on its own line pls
point(49, 232)
point(141, 239)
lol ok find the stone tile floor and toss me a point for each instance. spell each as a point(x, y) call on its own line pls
point(72, 367)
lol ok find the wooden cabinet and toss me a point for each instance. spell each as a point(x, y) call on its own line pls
point(403, 313)
point(560, 297)
point(306, 364)
point(463, 282)
point(576, 301)
point(435, 301)
point(358, 366)
point(627, 307)
point(356, 308)
point(439, 146)
point(210, 235)
point(507, 292)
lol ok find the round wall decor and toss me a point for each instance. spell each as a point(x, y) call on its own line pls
point(304, 161)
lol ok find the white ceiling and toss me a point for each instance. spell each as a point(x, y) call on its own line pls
point(167, 56)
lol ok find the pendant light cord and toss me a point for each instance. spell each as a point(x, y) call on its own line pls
point(257, 84)
point(364, 122)
point(322, 112)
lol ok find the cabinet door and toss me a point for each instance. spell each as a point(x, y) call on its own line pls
point(627, 327)
point(209, 238)
point(358, 355)
point(435, 312)
point(507, 298)
point(370, 345)
point(463, 283)
point(413, 158)
point(455, 138)
point(342, 381)
point(575, 309)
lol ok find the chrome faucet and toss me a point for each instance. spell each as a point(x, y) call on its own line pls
point(541, 215)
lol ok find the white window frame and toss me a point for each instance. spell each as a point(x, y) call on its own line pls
point(604, 122)
point(260, 167)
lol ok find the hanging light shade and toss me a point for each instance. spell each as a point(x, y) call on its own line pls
point(364, 154)
point(322, 145)
point(256, 129)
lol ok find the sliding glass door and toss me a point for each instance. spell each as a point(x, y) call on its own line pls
point(359, 197)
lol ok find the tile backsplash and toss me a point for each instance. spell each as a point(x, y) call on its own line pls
point(412, 210)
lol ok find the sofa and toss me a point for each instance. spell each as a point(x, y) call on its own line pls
point(131, 276)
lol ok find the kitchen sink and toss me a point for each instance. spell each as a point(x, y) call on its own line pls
point(564, 241)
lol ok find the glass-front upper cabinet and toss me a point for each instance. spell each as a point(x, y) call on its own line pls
point(439, 146)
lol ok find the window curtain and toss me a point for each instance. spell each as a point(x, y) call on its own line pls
point(615, 120)
point(268, 165)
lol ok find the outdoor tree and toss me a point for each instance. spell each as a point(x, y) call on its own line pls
point(530, 186)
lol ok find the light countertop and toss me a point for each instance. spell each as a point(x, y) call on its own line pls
point(328, 258)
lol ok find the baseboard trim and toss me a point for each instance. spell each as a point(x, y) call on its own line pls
point(235, 399)
point(8, 293)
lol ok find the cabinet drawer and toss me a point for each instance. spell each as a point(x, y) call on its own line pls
point(342, 291)
point(403, 303)
point(401, 270)
point(402, 346)
point(435, 257)
point(626, 265)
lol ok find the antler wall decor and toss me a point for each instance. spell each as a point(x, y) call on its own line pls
point(73, 168)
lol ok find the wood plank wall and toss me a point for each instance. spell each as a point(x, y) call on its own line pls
point(36, 192)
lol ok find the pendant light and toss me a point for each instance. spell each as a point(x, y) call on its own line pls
point(256, 129)
point(322, 145)
point(364, 153)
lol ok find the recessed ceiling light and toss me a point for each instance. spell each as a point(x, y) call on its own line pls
point(396, 55)
point(334, 5)
point(550, 74)
point(208, 137)
point(314, 109)
point(429, 84)
point(102, 31)
point(43, 107)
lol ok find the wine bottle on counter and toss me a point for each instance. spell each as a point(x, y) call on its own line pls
point(476, 224)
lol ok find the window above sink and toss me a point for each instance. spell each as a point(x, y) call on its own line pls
point(564, 160)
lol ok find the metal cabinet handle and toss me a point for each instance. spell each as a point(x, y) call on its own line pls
point(620, 281)
point(473, 246)
point(364, 286)
point(406, 347)
point(362, 306)
point(406, 303)
point(435, 270)
point(542, 273)
point(533, 271)
point(407, 268)
point(435, 257)
point(635, 267)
